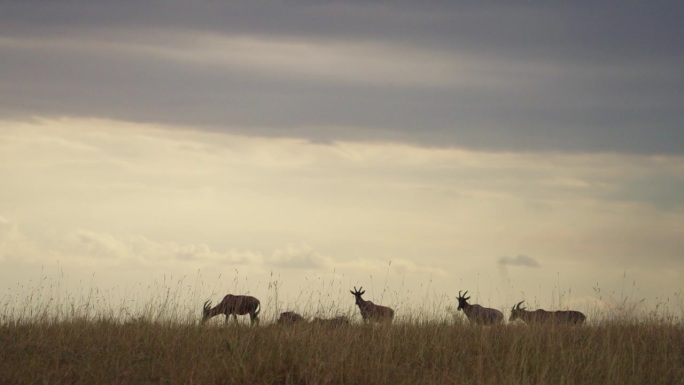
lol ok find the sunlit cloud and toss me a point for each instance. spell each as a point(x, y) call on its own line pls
point(519, 260)
point(299, 257)
point(94, 194)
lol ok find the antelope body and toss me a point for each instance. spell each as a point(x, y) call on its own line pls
point(234, 305)
point(477, 314)
point(371, 312)
point(542, 316)
point(290, 318)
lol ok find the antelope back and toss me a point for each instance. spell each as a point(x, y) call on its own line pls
point(289, 318)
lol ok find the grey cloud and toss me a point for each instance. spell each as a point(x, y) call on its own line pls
point(579, 78)
point(520, 260)
point(520, 29)
point(662, 191)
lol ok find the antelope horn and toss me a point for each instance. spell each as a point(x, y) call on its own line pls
point(519, 303)
point(207, 305)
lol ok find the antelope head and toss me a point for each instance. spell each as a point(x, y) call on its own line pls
point(358, 293)
point(206, 310)
point(516, 311)
point(462, 300)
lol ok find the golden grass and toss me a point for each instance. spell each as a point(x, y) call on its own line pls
point(142, 352)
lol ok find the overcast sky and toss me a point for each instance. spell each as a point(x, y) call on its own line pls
point(521, 151)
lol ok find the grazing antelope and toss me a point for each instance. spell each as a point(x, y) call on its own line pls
point(290, 318)
point(371, 312)
point(477, 314)
point(235, 305)
point(542, 316)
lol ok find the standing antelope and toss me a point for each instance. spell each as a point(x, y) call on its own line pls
point(235, 305)
point(371, 312)
point(477, 314)
point(542, 316)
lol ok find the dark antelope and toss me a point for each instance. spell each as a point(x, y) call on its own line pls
point(235, 305)
point(542, 316)
point(477, 314)
point(290, 318)
point(371, 312)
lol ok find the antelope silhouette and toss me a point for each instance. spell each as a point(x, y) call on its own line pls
point(541, 316)
point(290, 318)
point(371, 312)
point(233, 305)
point(478, 314)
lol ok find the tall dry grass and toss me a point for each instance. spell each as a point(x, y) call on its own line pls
point(48, 337)
point(142, 352)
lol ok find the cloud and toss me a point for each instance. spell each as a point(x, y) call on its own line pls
point(299, 257)
point(520, 260)
point(492, 77)
point(83, 247)
point(101, 194)
point(96, 245)
point(8, 230)
point(14, 243)
point(398, 265)
point(153, 252)
point(406, 266)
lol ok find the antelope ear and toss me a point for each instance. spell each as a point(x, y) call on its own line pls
point(352, 292)
point(466, 298)
point(363, 292)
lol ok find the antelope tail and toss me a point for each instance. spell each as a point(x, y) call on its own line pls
point(258, 309)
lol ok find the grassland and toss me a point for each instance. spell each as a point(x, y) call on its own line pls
point(106, 351)
point(48, 337)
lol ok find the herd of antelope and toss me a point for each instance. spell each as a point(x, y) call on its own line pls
point(371, 313)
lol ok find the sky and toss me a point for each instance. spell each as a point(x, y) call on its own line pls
point(294, 150)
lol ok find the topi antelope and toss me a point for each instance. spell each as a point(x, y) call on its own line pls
point(371, 312)
point(290, 318)
point(542, 316)
point(235, 305)
point(477, 314)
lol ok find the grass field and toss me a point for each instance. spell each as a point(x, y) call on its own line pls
point(48, 337)
point(144, 352)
